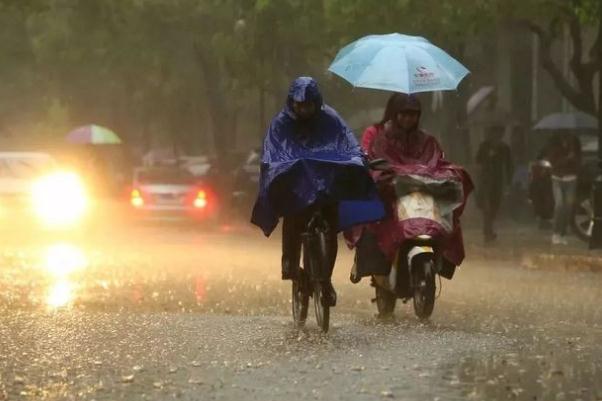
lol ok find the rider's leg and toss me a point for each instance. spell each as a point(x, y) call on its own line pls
point(332, 247)
point(331, 215)
point(291, 247)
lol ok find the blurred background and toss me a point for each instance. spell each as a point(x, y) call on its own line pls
point(191, 78)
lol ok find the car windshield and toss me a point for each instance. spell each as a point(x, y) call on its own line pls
point(25, 167)
point(180, 177)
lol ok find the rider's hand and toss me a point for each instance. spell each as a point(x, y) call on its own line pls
point(387, 175)
point(385, 178)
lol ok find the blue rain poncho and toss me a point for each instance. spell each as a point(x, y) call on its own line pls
point(311, 161)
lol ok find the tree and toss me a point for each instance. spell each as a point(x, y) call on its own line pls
point(164, 68)
point(577, 15)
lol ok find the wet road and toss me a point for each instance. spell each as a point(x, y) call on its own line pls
point(177, 313)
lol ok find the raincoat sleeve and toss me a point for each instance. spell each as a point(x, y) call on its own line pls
point(368, 138)
point(345, 141)
point(354, 147)
point(274, 144)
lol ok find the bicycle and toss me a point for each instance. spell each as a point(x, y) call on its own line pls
point(314, 273)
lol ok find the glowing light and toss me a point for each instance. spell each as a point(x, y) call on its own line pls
point(137, 200)
point(200, 203)
point(59, 199)
point(201, 200)
point(60, 294)
point(63, 259)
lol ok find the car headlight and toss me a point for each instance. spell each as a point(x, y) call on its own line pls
point(59, 199)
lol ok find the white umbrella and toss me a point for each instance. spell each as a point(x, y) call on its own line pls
point(576, 120)
point(478, 97)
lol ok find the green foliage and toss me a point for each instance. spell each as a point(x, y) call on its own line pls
point(134, 64)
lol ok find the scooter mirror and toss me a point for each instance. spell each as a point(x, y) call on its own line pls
point(379, 164)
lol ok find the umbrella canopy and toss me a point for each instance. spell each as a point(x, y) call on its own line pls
point(93, 135)
point(574, 121)
point(398, 63)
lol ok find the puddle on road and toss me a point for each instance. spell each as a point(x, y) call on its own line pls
point(533, 374)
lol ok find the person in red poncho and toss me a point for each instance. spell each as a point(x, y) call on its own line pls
point(399, 140)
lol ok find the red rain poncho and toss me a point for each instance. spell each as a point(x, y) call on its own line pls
point(419, 154)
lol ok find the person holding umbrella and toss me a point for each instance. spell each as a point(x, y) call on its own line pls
point(98, 162)
point(564, 154)
point(399, 139)
point(404, 65)
point(401, 123)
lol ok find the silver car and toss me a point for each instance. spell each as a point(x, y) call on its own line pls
point(171, 193)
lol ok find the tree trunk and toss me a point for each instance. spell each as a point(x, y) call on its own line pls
point(262, 118)
point(219, 109)
point(599, 45)
point(596, 238)
point(580, 96)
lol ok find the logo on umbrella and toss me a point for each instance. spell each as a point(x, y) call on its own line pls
point(423, 72)
point(424, 76)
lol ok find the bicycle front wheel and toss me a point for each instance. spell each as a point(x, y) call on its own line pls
point(300, 299)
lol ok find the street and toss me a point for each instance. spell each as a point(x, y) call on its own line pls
point(170, 312)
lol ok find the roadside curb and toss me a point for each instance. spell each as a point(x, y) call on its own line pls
point(538, 259)
point(568, 263)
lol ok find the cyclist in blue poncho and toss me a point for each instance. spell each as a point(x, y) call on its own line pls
point(311, 158)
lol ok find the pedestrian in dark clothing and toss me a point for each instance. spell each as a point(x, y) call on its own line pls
point(564, 153)
point(495, 173)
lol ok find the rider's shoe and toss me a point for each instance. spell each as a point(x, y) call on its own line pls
point(288, 271)
point(329, 295)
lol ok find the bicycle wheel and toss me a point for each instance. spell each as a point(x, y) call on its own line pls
point(321, 307)
point(300, 299)
point(321, 303)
